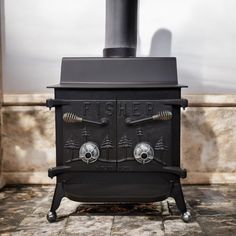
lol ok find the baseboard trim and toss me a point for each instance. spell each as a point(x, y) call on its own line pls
point(26, 99)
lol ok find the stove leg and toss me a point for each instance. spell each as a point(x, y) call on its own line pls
point(57, 197)
point(177, 194)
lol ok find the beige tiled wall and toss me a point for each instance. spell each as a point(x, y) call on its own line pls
point(208, 139)
point(208, 144)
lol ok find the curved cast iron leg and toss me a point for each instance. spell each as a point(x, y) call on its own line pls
point(57, 197)
point(177, 194)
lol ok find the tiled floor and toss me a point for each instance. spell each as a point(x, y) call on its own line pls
point(23, 210)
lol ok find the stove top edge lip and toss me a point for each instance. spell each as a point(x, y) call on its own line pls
point(120, 58)
point(105, 85)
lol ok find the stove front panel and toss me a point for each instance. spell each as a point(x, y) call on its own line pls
point(143, 135)
point(89, 136)
point(118, 135)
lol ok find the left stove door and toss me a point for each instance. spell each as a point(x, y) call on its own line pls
point(89, 134)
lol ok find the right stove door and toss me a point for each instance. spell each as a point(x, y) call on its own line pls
point(144, 134)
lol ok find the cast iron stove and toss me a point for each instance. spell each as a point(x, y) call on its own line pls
point(118, 123)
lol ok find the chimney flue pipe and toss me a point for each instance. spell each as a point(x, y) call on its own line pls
point(121, 28)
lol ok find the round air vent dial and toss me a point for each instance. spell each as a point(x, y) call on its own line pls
point(143, 153)
point(89, 152)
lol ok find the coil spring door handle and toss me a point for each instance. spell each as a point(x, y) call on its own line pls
point(161, 115)
point(72, 118)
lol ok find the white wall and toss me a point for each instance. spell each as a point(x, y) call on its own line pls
point(200, 33)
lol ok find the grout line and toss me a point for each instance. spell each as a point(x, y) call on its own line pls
point(211, 104)
point(64, 228)
point(163, 225)
point(113, 220)
point(22, 104)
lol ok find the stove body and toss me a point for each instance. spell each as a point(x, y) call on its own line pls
point(118, 141)
point(118, 122)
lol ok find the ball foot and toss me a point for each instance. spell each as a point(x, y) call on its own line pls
point(51, 216)
point(186, 217)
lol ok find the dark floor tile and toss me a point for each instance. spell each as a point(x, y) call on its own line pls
point(120, 209)
point(17, 203)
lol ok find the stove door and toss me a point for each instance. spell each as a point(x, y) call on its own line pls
point(89, 137)
point(143, 135)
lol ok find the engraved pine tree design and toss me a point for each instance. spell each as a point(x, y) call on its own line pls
point(73, 146)
point(160, 146)
point(125, 143)
point(85, 133)
point(139, 133)
point(107, 145)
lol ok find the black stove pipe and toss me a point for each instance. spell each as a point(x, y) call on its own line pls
point(121, 28)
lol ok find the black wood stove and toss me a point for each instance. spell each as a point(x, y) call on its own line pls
point(118, 122)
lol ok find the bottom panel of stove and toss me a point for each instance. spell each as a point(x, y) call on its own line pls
point(118, 187)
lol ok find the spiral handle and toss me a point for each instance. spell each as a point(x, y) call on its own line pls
point(71, 118)
point(163, 115)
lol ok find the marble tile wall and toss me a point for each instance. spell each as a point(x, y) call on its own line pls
point(208, 139)
point(208, 144)
point(28, 141)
